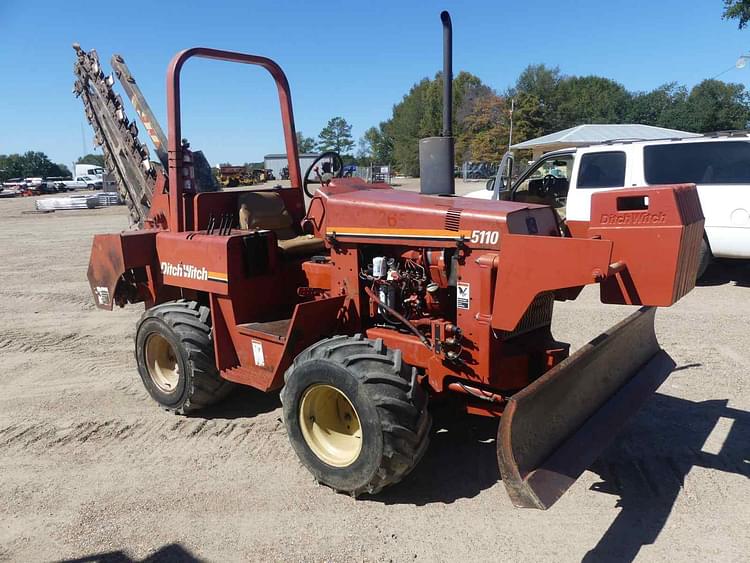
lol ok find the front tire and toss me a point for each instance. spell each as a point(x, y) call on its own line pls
point(354, 414)
point(174, 351)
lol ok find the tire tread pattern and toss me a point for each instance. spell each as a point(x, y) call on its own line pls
point(403, 413)
point(191, 322)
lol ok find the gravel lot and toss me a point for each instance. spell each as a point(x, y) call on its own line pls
point(91, 469)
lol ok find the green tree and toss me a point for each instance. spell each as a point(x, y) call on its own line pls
point(529, 118)
point(737, 10)
point(96, 159)
point(62, 170)
point(537, 95)
point(663, 106)
point(590, 99)
point(714, 105)
point(376, 146)
point(419, 114)
point(484, 131)
point(31, 164)
point(336, 136)
point(404, 128)
point(305, 144)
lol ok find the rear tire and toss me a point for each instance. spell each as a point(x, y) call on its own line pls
point(175, 355)
point(348, 389)
point(704, 258)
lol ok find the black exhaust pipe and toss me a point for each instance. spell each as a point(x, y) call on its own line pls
point(436, 153)
point(445, 17)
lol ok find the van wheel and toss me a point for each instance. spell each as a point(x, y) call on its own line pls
point(704, 258)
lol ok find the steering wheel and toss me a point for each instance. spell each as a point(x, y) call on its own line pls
point(336, 171)
point(548, 183)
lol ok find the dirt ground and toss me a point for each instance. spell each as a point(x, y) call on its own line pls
point(91, 469)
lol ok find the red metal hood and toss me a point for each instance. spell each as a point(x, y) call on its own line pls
point(352, 208)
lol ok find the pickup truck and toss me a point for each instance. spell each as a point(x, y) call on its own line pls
point(81, 183)
point(718, 164)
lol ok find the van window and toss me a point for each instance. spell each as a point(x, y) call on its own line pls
point(698, 163)
point(602, 170)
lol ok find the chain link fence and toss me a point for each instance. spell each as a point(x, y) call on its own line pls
point(478, 170)
point(375, 173)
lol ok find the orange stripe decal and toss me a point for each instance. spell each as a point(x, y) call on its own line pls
point(411, 233)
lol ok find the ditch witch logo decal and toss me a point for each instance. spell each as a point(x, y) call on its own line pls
point(634, 218)
point(191, 272)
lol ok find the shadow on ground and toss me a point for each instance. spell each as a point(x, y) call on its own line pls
point(243, 402)
point(722, 272)
point(460, 462)
point(172, 553)
point(645, 467)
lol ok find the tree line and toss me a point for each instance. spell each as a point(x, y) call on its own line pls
point(545, 101)
point(31, 164)
point(35, 164)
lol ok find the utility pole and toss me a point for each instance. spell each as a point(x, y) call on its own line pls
point(83, 141)
point(510, 134)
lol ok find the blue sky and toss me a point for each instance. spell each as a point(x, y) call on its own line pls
point(341, 57)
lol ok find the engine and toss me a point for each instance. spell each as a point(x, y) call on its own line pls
point(409, 286)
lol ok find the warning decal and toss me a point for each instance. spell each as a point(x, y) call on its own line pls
point(463, 295)
point(260, 361)
point(102, 295)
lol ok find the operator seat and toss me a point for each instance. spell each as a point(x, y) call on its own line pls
point(267, 211)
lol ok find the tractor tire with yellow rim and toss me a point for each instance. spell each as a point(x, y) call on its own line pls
point(175, 355)
point(354, 414)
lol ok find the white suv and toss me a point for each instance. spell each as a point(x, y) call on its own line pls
point(719, 165)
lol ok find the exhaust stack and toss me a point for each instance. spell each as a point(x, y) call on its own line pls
point(436, 153)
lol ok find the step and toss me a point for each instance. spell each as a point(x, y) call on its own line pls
point(270, 330)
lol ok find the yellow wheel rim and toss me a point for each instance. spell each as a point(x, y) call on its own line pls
point(161, 362)
point(330, 425)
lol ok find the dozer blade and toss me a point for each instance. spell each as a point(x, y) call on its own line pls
point(554, 428)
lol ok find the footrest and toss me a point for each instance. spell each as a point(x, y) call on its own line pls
point(270, 330)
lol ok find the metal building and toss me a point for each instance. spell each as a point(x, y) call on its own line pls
point(277, 162)
point(594, 133)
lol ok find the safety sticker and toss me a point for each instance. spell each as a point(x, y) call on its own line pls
point(260, 361)
point(102, 295)
point(463, 295)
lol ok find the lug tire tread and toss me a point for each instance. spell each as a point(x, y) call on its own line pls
point(405, 422)
point(191, 322)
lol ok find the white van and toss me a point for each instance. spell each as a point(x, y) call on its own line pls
point(719, 165)
point(91, 170)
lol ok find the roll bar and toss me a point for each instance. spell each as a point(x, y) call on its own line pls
point(174, 146)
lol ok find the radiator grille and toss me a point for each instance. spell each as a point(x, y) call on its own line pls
point(538, 314)
point(453, 219)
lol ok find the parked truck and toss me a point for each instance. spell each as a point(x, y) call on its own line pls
point(81, 183)
point(718, 164)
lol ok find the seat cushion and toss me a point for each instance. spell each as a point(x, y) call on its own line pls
point(267, 211)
